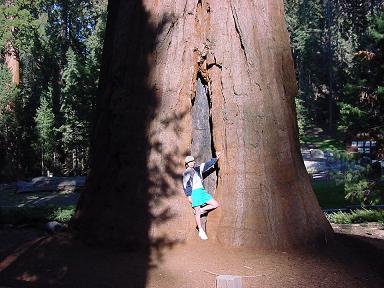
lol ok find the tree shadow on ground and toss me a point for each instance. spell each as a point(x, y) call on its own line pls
point(343, 263)
point(361, 257)
point(369, 250)
point(114, 213)
point(58, 261)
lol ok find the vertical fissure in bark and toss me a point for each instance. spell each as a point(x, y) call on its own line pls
point(203, 147)
point(238, 31)
point(213, 149)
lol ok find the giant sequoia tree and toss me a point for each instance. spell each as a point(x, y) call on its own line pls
point(232, 59)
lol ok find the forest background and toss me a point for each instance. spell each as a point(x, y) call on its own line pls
point(50, 62)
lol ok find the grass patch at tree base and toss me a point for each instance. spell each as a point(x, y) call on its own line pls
point(330, 194)
point(356, 216)
point(27, 215)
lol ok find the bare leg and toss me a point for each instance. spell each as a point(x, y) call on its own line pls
point(202, 234)
point(197, 216)
point(211, 205)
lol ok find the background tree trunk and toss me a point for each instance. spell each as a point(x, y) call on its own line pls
point(153, 57)
point(12, 56)
point(13, 63)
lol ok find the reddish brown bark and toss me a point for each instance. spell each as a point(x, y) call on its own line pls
point(12, 56)
point(240, 50)
point(13, 63)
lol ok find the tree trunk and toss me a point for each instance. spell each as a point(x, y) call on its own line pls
point(13, 63)
point(12, 56)
point(157, 55)
point(331, 98)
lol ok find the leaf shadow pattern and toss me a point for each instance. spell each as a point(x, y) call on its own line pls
point(114, 217)
point(164, 177)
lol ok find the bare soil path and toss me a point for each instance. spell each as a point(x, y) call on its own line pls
point(32, 258)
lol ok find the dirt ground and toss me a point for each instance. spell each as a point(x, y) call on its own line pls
point(32, 258)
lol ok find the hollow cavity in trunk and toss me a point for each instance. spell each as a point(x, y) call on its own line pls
point(202, 141)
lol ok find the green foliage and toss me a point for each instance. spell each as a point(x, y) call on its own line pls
point(17, 24)
point(330, 194)
point(356, 216)
point(380, 91)
point(62, 214)
point(352, 89)
point(8, 93)
point(45, 125)
point(333, 43)
point(75, 108)
point(8, 125)
point(59, 46)
point(356, 186)
point(351, 117)
point(45, 121)
point(376, 30)
point(340, 154)
point(359, 185)
point(25, 215)
point(361, 106)
point(302, 118)
point(376, 35)
point(322, 143)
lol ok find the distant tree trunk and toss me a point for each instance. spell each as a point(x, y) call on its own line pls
point(13, 63)
point(331, 97)
point(12, 56)
point(42, 159)
point(156, 57)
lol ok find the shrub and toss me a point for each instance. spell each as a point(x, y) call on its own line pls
point(63, 214)
point(356, 187)
point(361, 185)
point(356, 216)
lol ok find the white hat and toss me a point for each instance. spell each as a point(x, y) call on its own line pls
point(189, 159)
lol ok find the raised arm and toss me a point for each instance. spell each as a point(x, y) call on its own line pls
point(208, 165)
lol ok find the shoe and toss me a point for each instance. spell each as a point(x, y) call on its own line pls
point(202, 235)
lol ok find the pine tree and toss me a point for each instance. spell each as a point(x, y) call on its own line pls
point(364, 91)
point(45, 125)
point(8, 125)
point(74, 127)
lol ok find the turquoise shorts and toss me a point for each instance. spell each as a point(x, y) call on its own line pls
point(200, 196)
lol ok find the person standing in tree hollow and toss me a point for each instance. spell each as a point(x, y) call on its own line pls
point(201, 201)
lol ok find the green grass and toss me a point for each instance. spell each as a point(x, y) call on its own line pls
point(357, 216)
point(9, 198)
point(24, 215)
point(24, 208)
point(330, 195)
point(323, 143)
